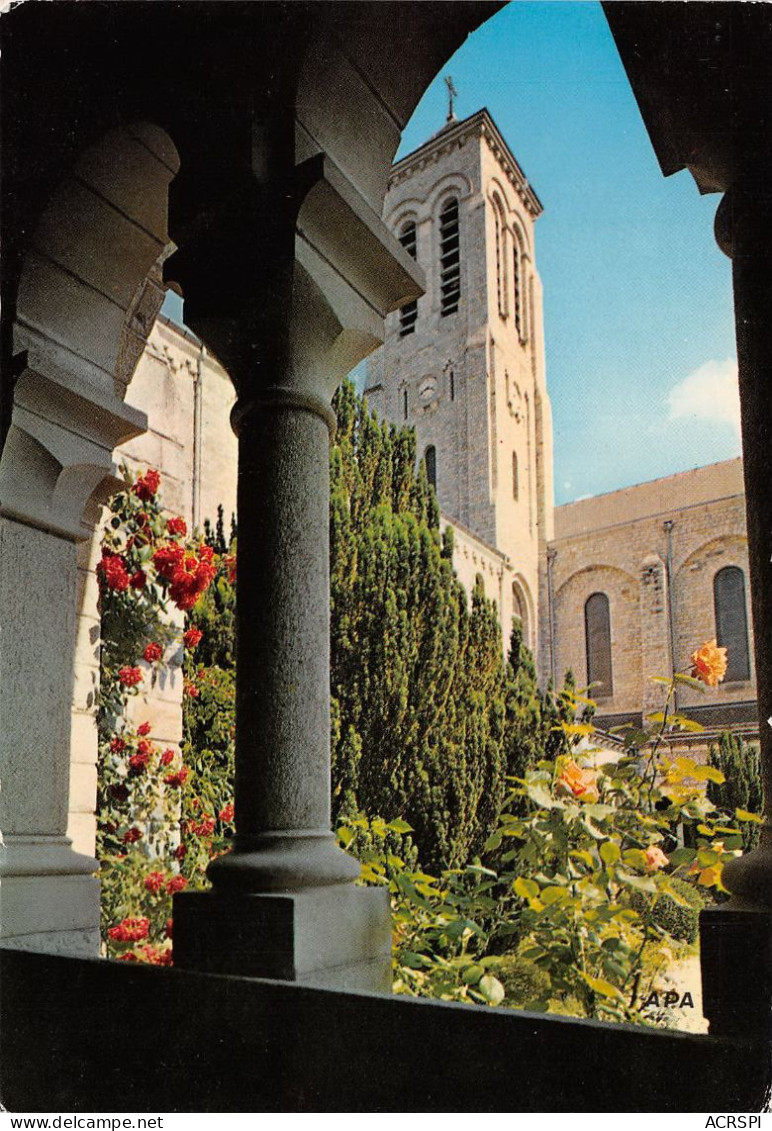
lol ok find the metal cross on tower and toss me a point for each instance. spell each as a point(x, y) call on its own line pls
point(452, 93)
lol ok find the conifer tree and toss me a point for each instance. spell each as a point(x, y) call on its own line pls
point(417, 675)
point(739, 762)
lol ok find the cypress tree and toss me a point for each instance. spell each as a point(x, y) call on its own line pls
point(739, 762)
point(417, 675)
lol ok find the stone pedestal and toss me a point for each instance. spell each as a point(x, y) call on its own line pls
point(737, 996)
point(337, 936)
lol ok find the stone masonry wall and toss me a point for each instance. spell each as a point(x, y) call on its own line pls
point(164, 387)
point(618, 544)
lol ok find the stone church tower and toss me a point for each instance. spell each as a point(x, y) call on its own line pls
point(464, 365)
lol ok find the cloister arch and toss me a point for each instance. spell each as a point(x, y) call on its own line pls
point(295, 170)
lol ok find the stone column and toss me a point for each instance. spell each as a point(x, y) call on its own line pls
point(284, 903)
point(736, 939)
point(56, 457)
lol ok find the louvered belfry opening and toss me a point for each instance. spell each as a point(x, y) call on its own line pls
point(408, 314)
point(450, 258)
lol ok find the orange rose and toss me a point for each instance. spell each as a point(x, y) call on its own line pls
point(709, 663)
point(581, 783)
point(655, 858)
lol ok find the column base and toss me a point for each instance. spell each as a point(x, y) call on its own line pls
point(736, 960)
point(49, 896)
point(337, 936)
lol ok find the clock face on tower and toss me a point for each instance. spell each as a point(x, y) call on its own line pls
point(427, 390)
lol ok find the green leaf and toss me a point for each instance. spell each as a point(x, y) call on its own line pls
point(543, 799)
point(690, 681)
point(345, 835)
point(472, 974)
point(708, 773)
point(600, 986)
point(609, 852)
point(399, 826)
point(592, 829)
point(415, 961)
point(478, 870)
point(526, 889)
point(637, 882)
point(552, 895)
point(685, 723)
point(744, 815)
point(491, 989)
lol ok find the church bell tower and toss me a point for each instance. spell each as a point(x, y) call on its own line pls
point(464, 365)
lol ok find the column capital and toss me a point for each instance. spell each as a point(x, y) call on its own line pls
point(295, 277)
point(57, 460)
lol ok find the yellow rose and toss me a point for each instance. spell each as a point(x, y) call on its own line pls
point(581, 783)
point(655, 858)
point(709, 663)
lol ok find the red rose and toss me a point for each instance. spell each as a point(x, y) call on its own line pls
point(192, 637)
point(169, 928)
point(144, 746)
point(152, 653)
point(180, 852)
point(226, 813)
point(117, 744)
point(176, 883)
point(147, 485)
point(178, 778)
point(119, 793)
point(167, 757)
point(129, 956)
point(190, 689)
point(129, 676)
point(129, 930)
point(112, 571)
point(177, 526)
point(168, 558)
point(143, 728)
point(138, 762)
point(155, 956)
point(154, 881)
point(229, 561)
point(138, 580)
point(204, 827)
point(132, 835)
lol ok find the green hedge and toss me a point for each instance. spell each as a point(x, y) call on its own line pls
point(680, 922)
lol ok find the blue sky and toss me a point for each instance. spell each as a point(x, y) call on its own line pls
point(637, 296)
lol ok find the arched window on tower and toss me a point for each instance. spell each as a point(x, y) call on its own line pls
point(450, 258)
point(430, 459)
point(501, 262)
point(408, 314)
point(520, 613)
point(597, 628)
point(515, 478)
point(732, 622)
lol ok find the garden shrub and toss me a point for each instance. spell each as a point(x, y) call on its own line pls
point(740, 763)
point(680, 920)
